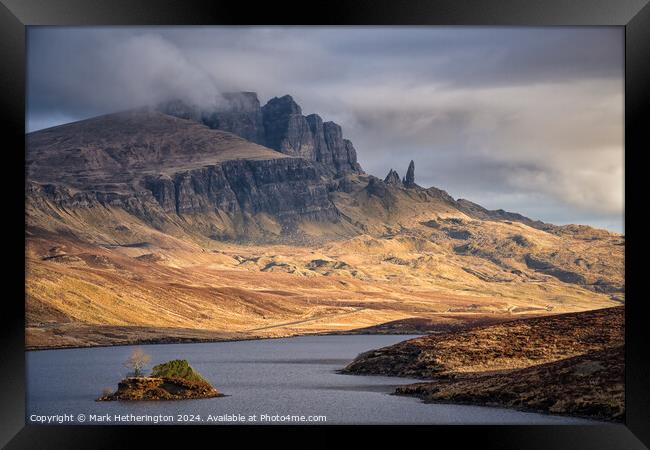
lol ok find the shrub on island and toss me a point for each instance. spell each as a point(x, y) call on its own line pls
point(178, 368)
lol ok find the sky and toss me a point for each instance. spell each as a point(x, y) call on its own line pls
point(524, 119)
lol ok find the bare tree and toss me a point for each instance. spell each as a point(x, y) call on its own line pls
point(137, 361)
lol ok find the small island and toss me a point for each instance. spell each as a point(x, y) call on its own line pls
point(173, 380)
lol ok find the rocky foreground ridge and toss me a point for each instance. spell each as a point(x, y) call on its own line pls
point(565, 364)
point(510, 345)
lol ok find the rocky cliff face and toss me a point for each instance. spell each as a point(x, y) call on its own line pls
point(160, 168)
point(344, 157)
point(286, 128)
point(289, 189)
point(279, 125)
point(289, 132)
point(321, 151)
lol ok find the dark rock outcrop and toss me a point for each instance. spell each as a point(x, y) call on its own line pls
point(323, 154)
point(545, 266)
point(336, 146)
point(289, 132)
point(376, 187)
point(393, 178)
point(279, 125)
point(239, 113)
point(235, 112)
point(182, 110)
point(286, 128)
point(409, 179)
point(352, 162)
point(163, 189)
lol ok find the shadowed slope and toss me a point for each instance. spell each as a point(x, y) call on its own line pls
point(510, 345)
point(562, 364)
point(118, 150)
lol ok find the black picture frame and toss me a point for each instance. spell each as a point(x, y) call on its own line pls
point(634, 15)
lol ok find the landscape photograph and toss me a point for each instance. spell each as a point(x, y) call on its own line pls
point(324, 225)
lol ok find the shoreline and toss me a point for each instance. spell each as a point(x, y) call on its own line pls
point(523, 410)
point(209, 341)
point(371, 330)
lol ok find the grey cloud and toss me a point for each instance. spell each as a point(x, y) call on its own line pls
point(83, 73)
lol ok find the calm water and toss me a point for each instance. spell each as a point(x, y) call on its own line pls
point(279, 377)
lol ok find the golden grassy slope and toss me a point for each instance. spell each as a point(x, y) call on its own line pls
point(164, 286)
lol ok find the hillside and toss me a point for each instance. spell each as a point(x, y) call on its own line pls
point(146, 226)
point(510, 345)
point(117, 151)
point(565, 364)
point(590, 385)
